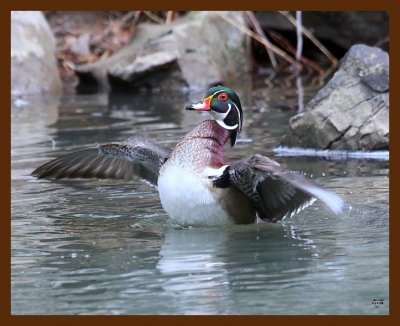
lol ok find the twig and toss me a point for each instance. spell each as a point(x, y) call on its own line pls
point(313, 39)
point(121, 22)
point(127, 16)
point(258, 38)
point(136, 18)
point(299, 48)
point(285, 43)
point(69, 65)
point(328, 72)
point(153, 17)
point(256, 25)
point(300, 93)
point(170, 15)
point(382, 41)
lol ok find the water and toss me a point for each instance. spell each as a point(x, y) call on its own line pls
point(107, 247)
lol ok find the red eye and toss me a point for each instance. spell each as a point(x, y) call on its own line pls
point(223, 96)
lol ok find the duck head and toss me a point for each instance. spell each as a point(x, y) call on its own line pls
point(225, 108)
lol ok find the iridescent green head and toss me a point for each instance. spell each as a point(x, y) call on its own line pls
point(225, 108)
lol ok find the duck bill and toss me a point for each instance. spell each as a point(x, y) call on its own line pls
point(201, 106)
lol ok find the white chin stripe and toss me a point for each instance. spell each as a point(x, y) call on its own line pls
point(224, 125)
point(239, 118)
point(220, 117)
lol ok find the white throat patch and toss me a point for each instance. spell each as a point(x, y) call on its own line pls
point(220, 117)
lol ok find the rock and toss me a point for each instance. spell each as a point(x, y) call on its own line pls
point(33, 61)
point(342, 28)
point(196, 51)
point(352, 110)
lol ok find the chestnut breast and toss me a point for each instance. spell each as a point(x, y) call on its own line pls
point(187, 193)
point(200, 148)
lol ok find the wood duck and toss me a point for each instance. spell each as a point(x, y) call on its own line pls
point(196, 186)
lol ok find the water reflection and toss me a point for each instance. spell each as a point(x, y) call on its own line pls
point(97, 263)
point(200, 261)
point(107, 247)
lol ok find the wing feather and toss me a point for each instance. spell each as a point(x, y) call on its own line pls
point(277, 192)
point(134, 156)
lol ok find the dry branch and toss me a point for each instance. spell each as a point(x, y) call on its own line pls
point(258, 38)
point(312, 38)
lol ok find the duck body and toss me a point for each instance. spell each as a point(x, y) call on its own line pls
point(185, 185)
point(195, 184)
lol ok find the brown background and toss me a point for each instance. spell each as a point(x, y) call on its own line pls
point(5, 226)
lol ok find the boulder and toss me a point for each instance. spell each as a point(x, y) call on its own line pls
point(33, 60)
point(196, 51)
point(351, 111)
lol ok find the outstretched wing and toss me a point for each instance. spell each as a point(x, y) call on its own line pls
point(134, 156)
point(277, 192)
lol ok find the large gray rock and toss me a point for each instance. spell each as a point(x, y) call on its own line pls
point(197, 51)
point(33, 61)
point(352, 110)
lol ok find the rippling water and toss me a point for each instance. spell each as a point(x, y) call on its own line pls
point(107, 247)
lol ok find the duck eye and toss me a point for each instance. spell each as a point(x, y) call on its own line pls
point(223, 96)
